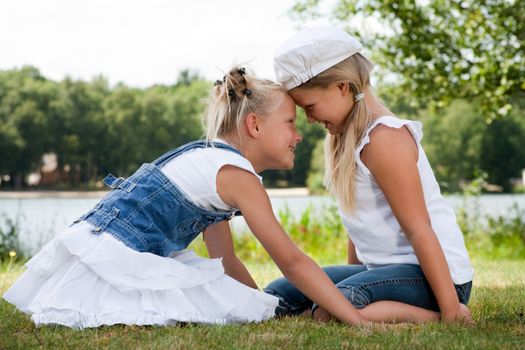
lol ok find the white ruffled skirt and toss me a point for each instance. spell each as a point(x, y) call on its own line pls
point(84, 280)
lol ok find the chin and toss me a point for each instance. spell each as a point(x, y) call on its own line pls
point(335, 132)
point(286, 166)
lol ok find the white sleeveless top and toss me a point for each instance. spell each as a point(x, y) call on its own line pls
point(195, 173)
point(376, 233)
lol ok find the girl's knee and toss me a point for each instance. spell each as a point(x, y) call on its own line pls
point(357, 296)
point(291, 300)
point(277, 285)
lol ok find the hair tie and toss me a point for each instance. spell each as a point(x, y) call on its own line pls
point(241, 71)
point(358, 97)
point(217, 82)
point(247, 92)
point(231, 93)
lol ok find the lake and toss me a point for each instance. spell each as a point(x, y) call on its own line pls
point(39, 219)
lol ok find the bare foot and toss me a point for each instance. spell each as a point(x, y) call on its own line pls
point(306, 313)
point(321, 315)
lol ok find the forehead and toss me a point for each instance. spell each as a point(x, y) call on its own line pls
point(288, 104)
point(283, 103)
point(304, 96)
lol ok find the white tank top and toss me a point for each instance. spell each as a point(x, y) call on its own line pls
point(374, 230)
point(195, 173)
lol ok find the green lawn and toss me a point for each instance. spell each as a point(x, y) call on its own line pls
point(497, 304)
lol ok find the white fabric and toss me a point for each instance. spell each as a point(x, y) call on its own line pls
point(311, 51)
point(195, 173)
point(376, 233)
point(84, 280)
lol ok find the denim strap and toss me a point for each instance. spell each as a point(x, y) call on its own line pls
point(118, 182)
point(112, 181)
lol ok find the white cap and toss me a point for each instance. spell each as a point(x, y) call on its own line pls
point(311, 51)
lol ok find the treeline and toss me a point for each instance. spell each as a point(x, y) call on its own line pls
point(95, 129)
point(462, 144)
point(92, 128)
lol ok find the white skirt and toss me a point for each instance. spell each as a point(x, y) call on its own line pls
point(80, 280)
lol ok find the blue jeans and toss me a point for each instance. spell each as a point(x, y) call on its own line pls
point(405, 283)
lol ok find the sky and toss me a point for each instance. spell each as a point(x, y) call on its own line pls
point(142, 42)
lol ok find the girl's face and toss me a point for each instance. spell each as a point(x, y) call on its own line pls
point(279, 136)
point(329, 106)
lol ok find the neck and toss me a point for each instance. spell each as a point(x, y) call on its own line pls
point(375, 107)
point(247, 149)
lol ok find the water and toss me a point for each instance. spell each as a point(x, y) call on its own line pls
point(39, 219)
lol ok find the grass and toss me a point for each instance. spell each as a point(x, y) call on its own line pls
point(497, 300)
point(497, 304)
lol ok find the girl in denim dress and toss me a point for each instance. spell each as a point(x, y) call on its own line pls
point(407, 260)
point(124, 261)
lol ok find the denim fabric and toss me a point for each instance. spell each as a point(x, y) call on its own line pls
point(293, 302)
point(400, 282)
point(149, 213)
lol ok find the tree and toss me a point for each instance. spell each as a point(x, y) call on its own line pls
point(315, 178)
point(25, 101)
point(122, 114)
point(502, 151)
point(187, 76)
point(188, 106)
point(442, 50)
point(452, 142)
point(80, 126)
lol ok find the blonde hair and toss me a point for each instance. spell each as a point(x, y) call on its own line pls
point(237, 95)
point(339, 149)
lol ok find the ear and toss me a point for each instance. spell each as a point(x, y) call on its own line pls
point(253, 125)
point(344, 88)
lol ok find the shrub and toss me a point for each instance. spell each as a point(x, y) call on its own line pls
point(10, 247)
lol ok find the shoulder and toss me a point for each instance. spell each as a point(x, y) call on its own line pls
point(234, 183)
point(389, 144)
point(383, 133)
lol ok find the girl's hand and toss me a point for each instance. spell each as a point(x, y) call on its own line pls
point(392, 158)
point(462, 315)
point(241, 189)
point(322, 315)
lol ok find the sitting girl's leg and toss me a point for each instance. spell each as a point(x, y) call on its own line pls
point(389, 312)
point(293, 302)
point(394, 293)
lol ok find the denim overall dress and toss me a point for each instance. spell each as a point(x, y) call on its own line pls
point(95, 273)
point(149, 213)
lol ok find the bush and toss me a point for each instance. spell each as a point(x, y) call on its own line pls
point(10, 247)
point(491, 237)
point(319, 233)
point(499, 237)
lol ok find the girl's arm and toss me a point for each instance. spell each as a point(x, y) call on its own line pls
point(392, 157)
point(243, 190)
point(219, 242)
point(352, 255)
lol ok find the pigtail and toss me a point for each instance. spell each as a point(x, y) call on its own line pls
point(237, 94)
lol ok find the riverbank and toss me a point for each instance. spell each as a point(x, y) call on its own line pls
point(273, 192)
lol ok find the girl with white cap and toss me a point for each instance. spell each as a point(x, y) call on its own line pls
point(404, 242)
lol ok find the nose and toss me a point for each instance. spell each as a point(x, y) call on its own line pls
point(298, 137)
